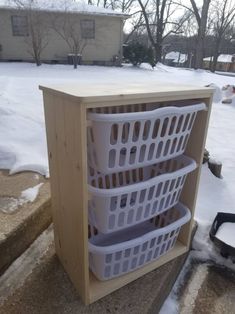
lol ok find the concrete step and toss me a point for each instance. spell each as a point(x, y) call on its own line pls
point(20, 225)
point(37, 283)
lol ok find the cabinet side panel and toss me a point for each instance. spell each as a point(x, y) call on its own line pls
point(53, 166)
point(195, 150)
point(66, 133)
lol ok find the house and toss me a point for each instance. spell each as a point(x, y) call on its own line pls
point(225, 63)
point(175, 58)
point(60, 28)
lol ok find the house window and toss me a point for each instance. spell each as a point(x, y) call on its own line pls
point(19, 25)
point(88, 29)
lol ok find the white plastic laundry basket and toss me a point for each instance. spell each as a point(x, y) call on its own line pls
point(120, 200)
point(124, 251)
point(123, 141)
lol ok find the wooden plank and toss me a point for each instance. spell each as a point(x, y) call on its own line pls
point(53, 165)
point(99, 289)
point(140, 100)
point(114, 92)
point(71, 195)
point(195, 150)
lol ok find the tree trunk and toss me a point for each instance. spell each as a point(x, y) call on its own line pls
point(75, 61)
point(201, 35)
point(214, 61)
point(216, 52)
point(37, 57)
point(199, 50)
point(158, 52)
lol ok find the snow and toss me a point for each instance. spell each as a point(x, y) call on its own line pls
point(60, 5)
point(11, 204)
point(22, 126)
point(226, 233)
point(223, 58)
point(170, 306)
point(215, 161)
point(225, 73)
point(176, 56)
point(228, 91)
point(31, 194)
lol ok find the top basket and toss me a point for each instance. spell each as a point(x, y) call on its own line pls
point(122, 141)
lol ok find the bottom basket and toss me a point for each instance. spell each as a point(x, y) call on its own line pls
point(111, 255)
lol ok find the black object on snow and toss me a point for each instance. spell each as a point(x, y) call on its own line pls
point(225, 249)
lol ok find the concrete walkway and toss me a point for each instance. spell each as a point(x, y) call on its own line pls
point(36, 283)
point(210, 289)
point(33, 280)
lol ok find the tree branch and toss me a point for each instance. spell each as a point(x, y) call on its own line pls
point(196, 12)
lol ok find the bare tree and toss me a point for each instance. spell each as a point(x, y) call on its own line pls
point(159, 23)
point(201, 16)
point(68, 27)
point(123, 5)
point(36, 37)
point(189, 39)
point(223, 18)
point(136, 26)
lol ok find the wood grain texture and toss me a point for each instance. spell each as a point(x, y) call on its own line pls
point(195, 150)
point(67, 155)
point(100, 93)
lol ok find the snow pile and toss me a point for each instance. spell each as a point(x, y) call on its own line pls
point(10, 204)
point(217, 96)
point(170, 306)
point(22, 126)
point(30, 194)
point(228, 92)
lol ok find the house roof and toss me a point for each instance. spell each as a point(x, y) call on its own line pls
point(60, 6)
point(176, 56)
point(223, 58)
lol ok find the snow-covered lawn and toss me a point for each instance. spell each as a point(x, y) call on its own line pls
point(23, 139)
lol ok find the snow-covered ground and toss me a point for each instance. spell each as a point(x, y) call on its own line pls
point(23, 139)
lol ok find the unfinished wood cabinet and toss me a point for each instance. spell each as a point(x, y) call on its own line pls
point(66, 110)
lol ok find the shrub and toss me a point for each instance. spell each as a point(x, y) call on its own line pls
point(137, 53)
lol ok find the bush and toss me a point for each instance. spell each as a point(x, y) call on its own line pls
point(137, 53)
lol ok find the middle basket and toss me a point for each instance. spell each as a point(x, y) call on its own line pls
point(123, 199)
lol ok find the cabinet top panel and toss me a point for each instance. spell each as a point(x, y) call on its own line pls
point(90, 93)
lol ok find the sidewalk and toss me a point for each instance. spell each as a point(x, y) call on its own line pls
point(48, 290)
point(32, 279)
point(35, 281)
point(210, 289)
